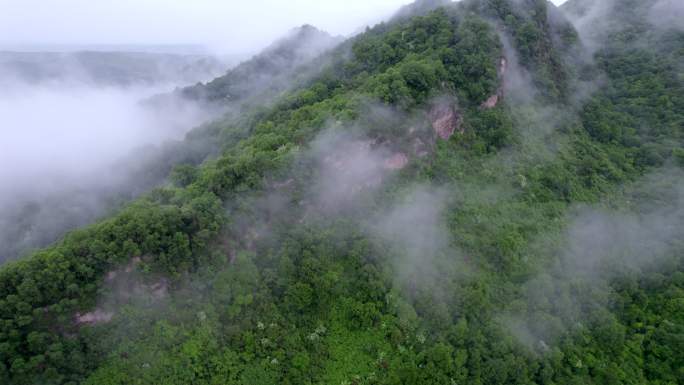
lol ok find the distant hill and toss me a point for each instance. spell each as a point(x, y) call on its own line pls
point(108, 68)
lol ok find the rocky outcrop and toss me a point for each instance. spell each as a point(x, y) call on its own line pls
point(94, 317)
point(396, 162)
point(494, 100)
point(420, 149)
point(125, 284)
point(491, 102)
point(445, 120)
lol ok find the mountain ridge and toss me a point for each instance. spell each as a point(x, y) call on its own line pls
point(387, 222)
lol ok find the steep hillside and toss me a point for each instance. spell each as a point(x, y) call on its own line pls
point(468, 194)
point(31, 221)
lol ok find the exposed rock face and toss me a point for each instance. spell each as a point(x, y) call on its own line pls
point(354, 167)
point(445, 120)
point(160, 289)
point(94, 317)
point(491, 102)
point(111, 276)
point(396, 162)
point(125, 285)
point(494, 100)
point(349, 167)
point(135, 261)
point(419, 148)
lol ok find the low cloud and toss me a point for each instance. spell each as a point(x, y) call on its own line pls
point(70, 149)
point(667, 14)
point(348, 165)
point(416, 227)
point(598, 245)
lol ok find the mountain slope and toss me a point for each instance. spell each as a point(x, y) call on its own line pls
point(391, 222)
point(28, 223)
point(269, 73)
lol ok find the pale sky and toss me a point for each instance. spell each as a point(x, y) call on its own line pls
point(224, 25)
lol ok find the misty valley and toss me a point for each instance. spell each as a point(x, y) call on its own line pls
point(462, 192)
point(78, 138)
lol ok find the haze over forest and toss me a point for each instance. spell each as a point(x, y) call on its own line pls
point(363, 192)
point(73, 90)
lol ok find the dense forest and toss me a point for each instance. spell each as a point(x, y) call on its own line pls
point(473, 192)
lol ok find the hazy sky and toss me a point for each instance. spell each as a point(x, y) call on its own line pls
point(225, 25)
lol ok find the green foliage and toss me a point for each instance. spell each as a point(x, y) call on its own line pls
point(183, 175)
point(277, 299)
point(492, 128)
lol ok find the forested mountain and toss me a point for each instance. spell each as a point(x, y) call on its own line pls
point(477, 192)
point(33, 220)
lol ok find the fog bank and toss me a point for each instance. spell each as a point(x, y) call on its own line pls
point(70, 143)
